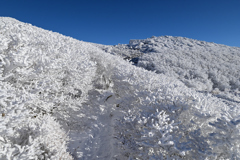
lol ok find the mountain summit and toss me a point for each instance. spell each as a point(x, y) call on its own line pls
point(61, 98)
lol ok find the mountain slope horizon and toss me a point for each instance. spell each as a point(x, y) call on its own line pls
point(62, 98)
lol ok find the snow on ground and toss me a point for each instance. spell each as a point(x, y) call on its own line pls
point(61, 98)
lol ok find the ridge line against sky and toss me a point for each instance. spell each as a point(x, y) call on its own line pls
point(117, 21)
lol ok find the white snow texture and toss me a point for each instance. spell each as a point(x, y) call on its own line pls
point(61, 98)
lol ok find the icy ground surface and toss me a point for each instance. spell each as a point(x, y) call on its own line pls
point(61, 98)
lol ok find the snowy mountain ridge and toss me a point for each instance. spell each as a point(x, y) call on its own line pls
point(61, 98)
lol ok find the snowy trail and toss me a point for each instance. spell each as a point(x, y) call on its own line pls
point(96, 141)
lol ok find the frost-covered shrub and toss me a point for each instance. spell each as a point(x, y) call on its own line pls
point(35, 139)
point(188, 115)
point(225, 138)
point(148, 136)
point(57, 74)
point(201, 65)
point(22, 135)
point(40, 77)
point(162, 130)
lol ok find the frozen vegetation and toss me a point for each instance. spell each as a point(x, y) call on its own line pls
point(61, 98)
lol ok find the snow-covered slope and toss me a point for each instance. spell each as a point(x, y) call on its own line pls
point(205, 66)
point(201, 65)
point(65, 99)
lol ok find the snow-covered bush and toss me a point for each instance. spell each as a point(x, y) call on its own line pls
point(37, 138)
point(57, 73)
point(148, 136)
point(22, 134)
point(182, 128)
point(189, 116)
point(201, 65)
point(42, 78)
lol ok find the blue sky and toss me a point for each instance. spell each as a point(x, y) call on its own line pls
point(117, 21)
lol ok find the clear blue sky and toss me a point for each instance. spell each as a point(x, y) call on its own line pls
point(117, 21)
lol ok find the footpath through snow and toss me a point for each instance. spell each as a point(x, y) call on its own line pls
point(61, 98)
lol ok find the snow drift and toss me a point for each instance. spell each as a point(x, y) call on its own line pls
point(61, 98)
